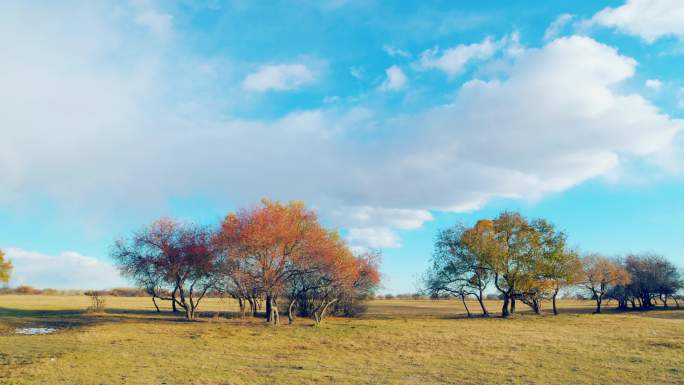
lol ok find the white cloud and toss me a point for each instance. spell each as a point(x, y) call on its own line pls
point(556, 118)
point(367, 216)
point(453, 60)
point(396, 79)
point(654, 84)
point(395, 52)
point(557, 26)
point(356, 72)
point(68, 270)
point(373, 238)
point(649, 19)
point(279, 77)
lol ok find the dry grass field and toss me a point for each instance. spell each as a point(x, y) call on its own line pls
point(397, 342)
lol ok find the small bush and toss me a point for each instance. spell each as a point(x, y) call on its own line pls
point(97, 301)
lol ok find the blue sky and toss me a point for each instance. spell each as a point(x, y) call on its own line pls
point(392, 119)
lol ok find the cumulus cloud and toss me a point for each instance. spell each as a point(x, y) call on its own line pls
point(396, 79)
point(373, 226)
point(654, 84)
point(557, 26)
point(368, 216)
point(648, 19)
point(453, 60)
point(279, 77)
point(554, 119)
point(68, 270)
point(373, 237)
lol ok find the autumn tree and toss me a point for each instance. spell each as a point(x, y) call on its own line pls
point(600, 274)
point(511, 260)
point(348, 280)
point(5, 268)
point(553, 266)
point(281, 251)
point(173, 261)
point(459, 263)
point(652, 278)
point(315, 275)
point(525, 260)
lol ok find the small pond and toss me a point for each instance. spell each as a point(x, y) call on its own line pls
point(34, 331)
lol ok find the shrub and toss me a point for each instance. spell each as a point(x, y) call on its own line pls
point(127, 292)
point(97, 301)
point(25, 289)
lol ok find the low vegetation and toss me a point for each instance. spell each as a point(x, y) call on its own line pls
point(396, 342)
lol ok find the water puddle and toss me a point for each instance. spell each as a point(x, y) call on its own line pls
point(34, 331)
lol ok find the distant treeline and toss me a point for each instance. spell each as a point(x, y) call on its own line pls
point(529, 261)
point(117, 292)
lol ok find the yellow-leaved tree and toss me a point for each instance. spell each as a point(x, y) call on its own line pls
point(5, 268)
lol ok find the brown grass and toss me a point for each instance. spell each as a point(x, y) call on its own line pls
point(397, 342)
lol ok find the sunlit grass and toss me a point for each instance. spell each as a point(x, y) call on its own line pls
point(397, 342)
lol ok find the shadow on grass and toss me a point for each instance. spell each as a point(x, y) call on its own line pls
point(76, 318)
point(406, 311)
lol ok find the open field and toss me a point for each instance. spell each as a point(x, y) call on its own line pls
point(397, 342)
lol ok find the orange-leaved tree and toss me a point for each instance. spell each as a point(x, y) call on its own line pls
point(266, 243)
point(281, 251)
point(600, 274)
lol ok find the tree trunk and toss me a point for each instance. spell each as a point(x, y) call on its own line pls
point(512, 303)
point(676, 301)
point(269, 315)
point(290, 315)
point(465, 305)
point(154, 301)
point(485, 313)
point(553, 301)
point(598, 305)
point(504, 308)
point(173, 300)
point(274, 308)
point(664, 300)
point(252, 306)
point(241, 302)
point(318, 316)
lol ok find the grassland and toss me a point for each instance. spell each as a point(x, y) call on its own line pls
point(397, 342)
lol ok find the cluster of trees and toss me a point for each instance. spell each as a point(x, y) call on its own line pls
point(529, 261)
point(274, 255)
point(651, 278)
